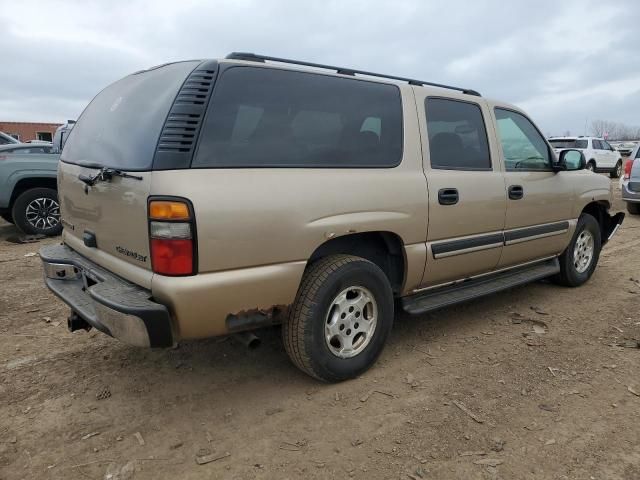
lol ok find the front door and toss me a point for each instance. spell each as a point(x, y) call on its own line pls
point(539, 201)
point(466, 188)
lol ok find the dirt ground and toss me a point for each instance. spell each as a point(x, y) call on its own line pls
point(470, 392)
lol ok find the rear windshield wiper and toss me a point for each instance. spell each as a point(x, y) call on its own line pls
point(105, 174)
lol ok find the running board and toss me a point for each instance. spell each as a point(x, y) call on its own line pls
point(468, 290)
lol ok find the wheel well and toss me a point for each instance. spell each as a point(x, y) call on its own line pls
point(598, 210)
point(385, 249)
point(28, 183)
point(591, 160)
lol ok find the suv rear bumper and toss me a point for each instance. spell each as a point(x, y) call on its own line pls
point(106, 302)
point(631, 191)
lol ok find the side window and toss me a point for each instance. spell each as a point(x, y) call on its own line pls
point(523, 147)
point(457, 135)
point(581, 144)
point(262, 117)
point(606, 146)
point(638, 153)
point(596, 144)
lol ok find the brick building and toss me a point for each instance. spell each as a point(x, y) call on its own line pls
point(25, 131)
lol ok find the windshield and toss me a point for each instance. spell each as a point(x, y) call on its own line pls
point(121, 126)
point(569, 143)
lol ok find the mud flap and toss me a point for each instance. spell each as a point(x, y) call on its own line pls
point(611, 225)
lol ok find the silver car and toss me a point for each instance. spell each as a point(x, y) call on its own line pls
point(631, 182)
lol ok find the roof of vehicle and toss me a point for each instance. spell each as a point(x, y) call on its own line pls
point(251, 59)
point(351, 72)
point(9, 138)
point(23, 146)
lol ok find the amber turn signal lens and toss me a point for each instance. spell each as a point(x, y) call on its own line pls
point(165, 210)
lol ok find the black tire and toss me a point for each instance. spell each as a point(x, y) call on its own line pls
point(7, 217)
point(47, 198)
point(569, 275)
point(633, 208)
point(591, 166)
point(616, 172)
point(303, 332)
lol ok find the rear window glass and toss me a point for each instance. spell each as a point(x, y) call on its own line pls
point(568, 143)
point(457, 136)
point(121, 126)
point(277, 118)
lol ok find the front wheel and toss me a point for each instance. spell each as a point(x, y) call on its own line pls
point(616, 172)
point(580, 258)
point(341, 318)
point(37, 212)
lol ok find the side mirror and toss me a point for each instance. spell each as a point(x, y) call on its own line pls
point(571, 160)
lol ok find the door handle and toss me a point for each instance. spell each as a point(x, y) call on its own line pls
point(448, 196)
point(516, 192)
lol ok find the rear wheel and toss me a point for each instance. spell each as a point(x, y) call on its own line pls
point(616, 172)
point(591, 166)
point(633, 208)
point(37, 212)
point(579, 260)
point(341, 318)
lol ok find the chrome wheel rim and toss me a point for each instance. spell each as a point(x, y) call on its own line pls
point(619, 170)
point(350, 322)
point(43, 213)
point(583, 251)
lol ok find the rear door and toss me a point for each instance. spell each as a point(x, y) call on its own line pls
point(539, 200)
point(466, 188)
point(601, 158)
point(106, 221)
point(610, 155)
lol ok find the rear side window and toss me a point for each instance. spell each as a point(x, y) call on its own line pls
point(457, 135)
point(261, 117)
point(596, 144)
point(121, 126)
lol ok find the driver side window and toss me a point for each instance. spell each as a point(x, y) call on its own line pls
point(523, 147)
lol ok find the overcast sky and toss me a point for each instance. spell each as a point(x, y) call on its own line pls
point(565, 62)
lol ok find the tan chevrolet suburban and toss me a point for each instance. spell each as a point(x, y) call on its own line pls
point(205, 198)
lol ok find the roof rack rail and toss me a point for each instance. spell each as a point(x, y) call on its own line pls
point(252, 57)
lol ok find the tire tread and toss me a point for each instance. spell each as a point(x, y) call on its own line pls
point(293, 330)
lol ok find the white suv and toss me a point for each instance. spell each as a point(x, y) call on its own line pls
point(600, 156)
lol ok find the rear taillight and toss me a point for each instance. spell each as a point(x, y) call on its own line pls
point(172, 237)
point(627, 169)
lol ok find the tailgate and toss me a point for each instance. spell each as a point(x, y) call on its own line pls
point(106, 219)
point(107, 222)
point(634, 180)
